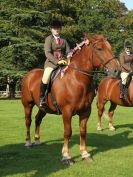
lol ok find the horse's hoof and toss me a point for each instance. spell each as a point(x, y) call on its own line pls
point(112, 128)
point(28, 144)
point(87, 159)
point(99, 129)
point(68, 162)
point(37, 142)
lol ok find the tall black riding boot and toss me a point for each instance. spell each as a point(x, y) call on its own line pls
point(43, 88)
point(122, 91)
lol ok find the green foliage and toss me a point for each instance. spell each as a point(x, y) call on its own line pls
point(24, 24)
point(107, 17)
point(23, 28)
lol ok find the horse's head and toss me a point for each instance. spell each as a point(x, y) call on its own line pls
point(102, 54)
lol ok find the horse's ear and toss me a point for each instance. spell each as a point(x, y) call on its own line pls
point(89, 37)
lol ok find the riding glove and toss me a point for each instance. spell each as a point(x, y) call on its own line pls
point(62, 62)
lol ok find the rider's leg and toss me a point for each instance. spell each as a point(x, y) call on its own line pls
point(43, 86)
point(123, 89)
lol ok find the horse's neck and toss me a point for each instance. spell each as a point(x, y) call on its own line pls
point(83, 59)
point(81, 66)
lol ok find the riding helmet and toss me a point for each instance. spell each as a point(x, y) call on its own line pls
point(55, 24)
point(127, 44)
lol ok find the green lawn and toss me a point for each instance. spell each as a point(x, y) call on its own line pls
point(112, 151)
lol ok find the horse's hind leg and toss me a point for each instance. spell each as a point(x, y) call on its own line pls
point(38, 120)
point(110, 114)
point(28, 110)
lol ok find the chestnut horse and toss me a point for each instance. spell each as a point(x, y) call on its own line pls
point(73, 92)
point(109, 90)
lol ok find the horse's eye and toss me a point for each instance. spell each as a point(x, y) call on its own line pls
point(100, 49)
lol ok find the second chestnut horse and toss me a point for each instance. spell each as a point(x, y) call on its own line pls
point(73, 92)
point(109, 90)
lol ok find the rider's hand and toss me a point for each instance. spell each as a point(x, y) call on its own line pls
point(70, 54)
point(62, 62)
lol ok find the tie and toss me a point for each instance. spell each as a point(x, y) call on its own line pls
point(58, 41)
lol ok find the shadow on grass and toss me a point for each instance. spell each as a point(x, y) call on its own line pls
point(124, 126)
point(104, 142)
point(38, 160)
point(43, 160)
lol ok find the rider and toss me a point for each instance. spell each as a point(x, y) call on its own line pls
point(126, 61)
point(56, 48)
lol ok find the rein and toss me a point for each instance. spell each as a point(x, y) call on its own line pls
point(84, 72)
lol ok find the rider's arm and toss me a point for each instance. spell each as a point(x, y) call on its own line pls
point(48, 51)
point(67, 47)
point(124, 62)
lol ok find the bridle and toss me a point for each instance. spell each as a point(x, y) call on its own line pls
point(103, 63)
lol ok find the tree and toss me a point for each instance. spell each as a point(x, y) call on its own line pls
point(107, 17)
point(24, 26)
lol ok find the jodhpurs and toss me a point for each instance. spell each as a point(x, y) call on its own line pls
point(46, 74)
point(124, 76)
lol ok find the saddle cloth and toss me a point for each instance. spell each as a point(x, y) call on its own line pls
point(53, 75)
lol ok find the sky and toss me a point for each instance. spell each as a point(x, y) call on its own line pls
point(128, 4)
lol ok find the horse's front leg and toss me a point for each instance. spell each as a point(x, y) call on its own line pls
point(67, 116)
point(100, 112)
point(38, 119)
point(110, 114)
point(100, 107)
point(83, 126)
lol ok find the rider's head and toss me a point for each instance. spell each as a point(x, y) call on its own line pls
point(55, 27)
point(127, 47)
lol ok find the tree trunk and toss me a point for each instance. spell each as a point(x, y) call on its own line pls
point(12, 86)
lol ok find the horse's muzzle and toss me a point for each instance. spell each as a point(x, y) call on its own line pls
point(112, 73)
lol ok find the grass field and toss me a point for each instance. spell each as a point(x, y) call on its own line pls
point(112, 151)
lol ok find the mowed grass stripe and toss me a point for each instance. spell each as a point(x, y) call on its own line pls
point(112, 151)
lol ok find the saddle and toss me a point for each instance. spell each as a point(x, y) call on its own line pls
point(53, 75)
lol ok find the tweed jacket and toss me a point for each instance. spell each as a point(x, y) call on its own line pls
point(50, 46)
point(126, 62)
